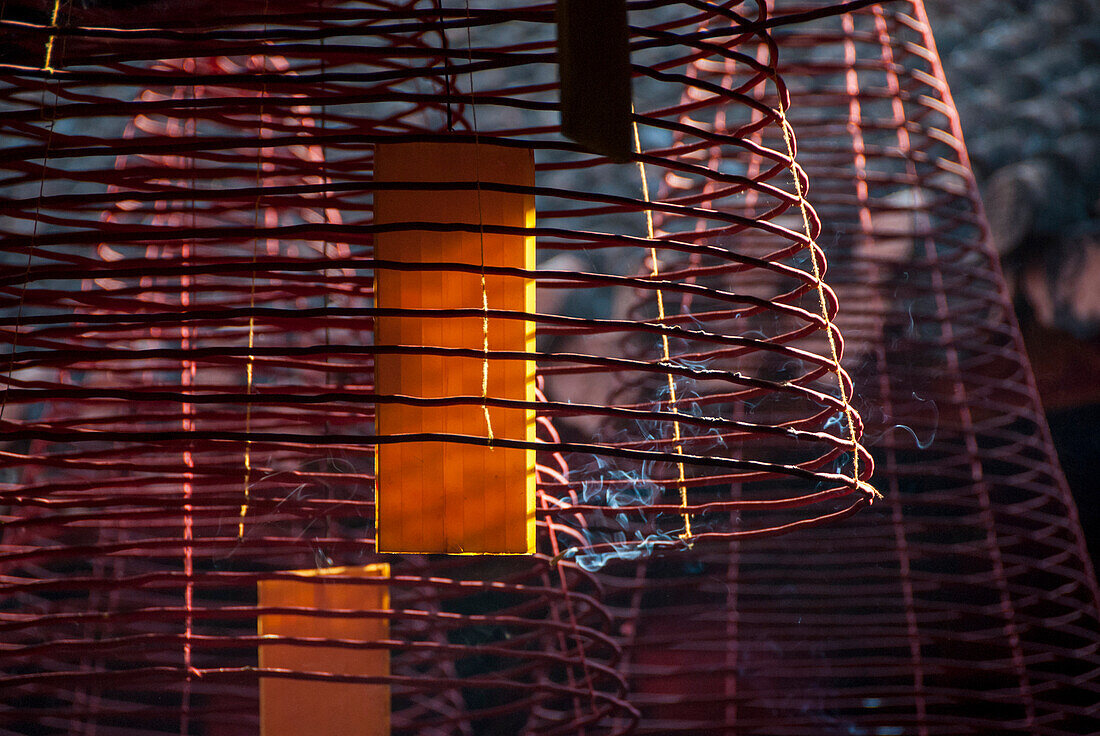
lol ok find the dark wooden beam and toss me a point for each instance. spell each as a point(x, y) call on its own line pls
point(594, 59)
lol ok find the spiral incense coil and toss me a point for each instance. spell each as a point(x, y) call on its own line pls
point(191, 263)
point(964, 602)
point(190, 410)
point(189, 404)
point(189, 416)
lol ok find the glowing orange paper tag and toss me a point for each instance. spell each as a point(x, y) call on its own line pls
point(292, 707)
point(447, 497)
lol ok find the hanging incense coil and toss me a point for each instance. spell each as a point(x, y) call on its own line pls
point(965, 600)
point(189, 404)
point(189, 273)
point(671, 326)
point(174, 409)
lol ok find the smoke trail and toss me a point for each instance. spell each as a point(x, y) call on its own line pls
point(935, 424)
point(630, 534)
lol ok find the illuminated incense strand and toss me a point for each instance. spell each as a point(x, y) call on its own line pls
point(664, 336)
point(849, 413)
point(481, 235)
point(485, 350)
point(484, 300)
point(252, 321)
point(49, 44)
point(248, 408)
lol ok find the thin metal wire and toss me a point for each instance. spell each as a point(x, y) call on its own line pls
point(481, 234)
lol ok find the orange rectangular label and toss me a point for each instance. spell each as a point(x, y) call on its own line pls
point(292, 707)
point(447, 497)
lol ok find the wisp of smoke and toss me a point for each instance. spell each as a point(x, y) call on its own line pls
point(629, 534)
point(923, 445)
